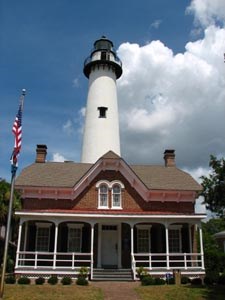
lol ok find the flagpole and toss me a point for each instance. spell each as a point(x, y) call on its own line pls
point(13, 177)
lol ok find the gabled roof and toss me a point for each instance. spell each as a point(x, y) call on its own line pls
point(68, 174)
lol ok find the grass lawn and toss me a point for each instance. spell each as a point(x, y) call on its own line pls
point(49, 292)
point(183, 292)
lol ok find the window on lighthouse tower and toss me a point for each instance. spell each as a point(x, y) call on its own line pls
point(102, 111)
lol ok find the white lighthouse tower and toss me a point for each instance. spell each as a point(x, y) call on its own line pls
point(101, 131)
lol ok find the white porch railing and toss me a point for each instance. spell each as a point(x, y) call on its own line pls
point(53, 261)
point(167, 262)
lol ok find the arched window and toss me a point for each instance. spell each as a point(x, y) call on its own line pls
point(116, 196)
point(103, 196)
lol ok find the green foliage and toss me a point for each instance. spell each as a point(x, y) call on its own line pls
point(53, 280)
point(39, 281)
point(211, 277)
point(147, 280)
point(214, 186)
point(221, 279)
point(82, 276)
point(5, 188)
point(66, 281)
point(184, 280)
point(23, 280)
point(10, 279)
point(196, 281)
point(159, 281)
point(83, 272)
point(141, 272)
point(81, 281)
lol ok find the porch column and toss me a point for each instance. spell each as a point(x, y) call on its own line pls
point(18, 244)
point(92, 249)
point(55, 245)
point(167, 247)
point(133, 263)
point(201, 246)
point(99, 246)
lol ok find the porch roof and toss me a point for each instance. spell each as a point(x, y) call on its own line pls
point(109, 213)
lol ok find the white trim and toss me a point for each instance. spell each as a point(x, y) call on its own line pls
point(99, 196)
point(99, 215)
point(100, 182)
point(120, 196)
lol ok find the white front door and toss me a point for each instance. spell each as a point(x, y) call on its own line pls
point(109, 246)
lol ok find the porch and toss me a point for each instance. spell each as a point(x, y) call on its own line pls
point(117, 244)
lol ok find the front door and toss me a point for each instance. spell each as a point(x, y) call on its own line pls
point(109, 246)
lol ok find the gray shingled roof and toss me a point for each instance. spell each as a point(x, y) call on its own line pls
point(67, 174)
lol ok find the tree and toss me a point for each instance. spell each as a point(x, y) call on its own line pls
point(4, 201)
point(5, 188)
point(214, 187)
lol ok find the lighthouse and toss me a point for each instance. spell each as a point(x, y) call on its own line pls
point(101, 129)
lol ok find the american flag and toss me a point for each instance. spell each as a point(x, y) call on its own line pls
point(17, 131)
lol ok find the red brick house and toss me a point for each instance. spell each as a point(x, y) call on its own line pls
point(108, 215)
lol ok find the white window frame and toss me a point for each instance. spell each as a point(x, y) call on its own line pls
point(74, 226)
point(46, 226)
point(177, 228)
point(139, 229)
point(119, 194)
point(106, 206)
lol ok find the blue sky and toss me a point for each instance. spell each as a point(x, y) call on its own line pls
point(171, 94)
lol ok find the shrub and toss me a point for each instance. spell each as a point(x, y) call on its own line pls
point(171, 280)
point(23, 280)
point(83, 272)
point(184, 280)
point(159, 281)
point(81, 281)
point(66, 281)
point(221, 279)
point(147, 280)
point(10, 279)
point(39, 280)
point(141, 272)
point(53, 280)
point(196, 281)
point(211, 278)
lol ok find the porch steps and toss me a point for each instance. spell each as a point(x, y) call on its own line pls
point(112, 275)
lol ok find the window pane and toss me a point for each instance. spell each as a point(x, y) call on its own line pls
point(103, 196)
point(174, 240)
point(74, 240)
point(143, 240)
point(42, 240)
point(116, 196)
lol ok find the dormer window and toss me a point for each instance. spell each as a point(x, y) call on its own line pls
point(116, 196)
point(109, 194)
point(102, 111)
point(103, 196)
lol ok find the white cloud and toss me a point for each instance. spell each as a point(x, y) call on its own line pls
point(173, 101)
point(68, 127)
point(156, 24)
point(57, 157)
point(76, 82)
point(207, 12)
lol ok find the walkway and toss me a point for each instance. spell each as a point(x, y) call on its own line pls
point(118, 290)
